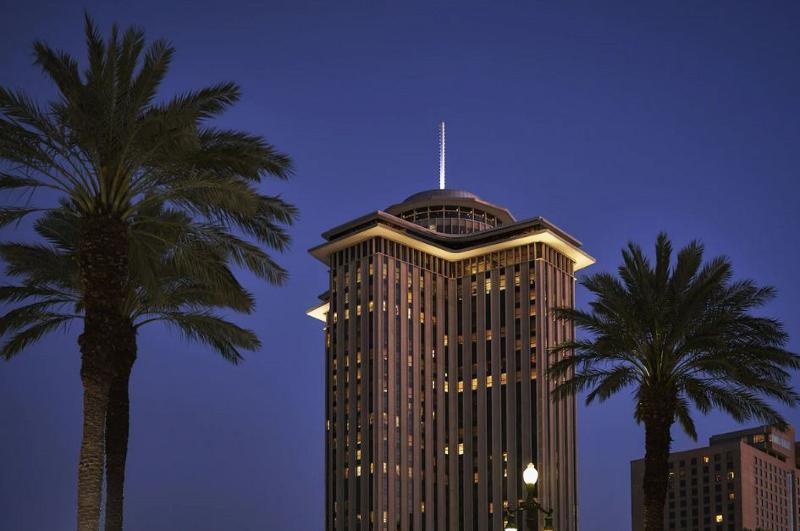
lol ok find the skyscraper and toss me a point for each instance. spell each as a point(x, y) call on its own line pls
point(746, 479)
point(437, 331)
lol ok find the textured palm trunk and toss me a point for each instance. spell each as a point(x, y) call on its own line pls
point(103, 255)
point(117, 430)
point(657, 424)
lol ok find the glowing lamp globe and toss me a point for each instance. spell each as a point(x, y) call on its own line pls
point(530, 476)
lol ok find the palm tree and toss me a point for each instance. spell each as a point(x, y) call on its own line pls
point(678, 335)
point(111, 150)
point(192, 283)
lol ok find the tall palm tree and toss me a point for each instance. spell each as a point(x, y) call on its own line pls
point(678, 335)
point(109, 148)
point(193, 281)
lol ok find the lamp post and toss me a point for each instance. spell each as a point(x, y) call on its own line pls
point(530, 507)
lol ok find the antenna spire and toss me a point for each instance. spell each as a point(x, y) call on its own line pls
point(441, 155)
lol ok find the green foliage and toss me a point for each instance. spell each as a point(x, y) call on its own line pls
point(188, 192)
point(191, 284)
point(108, 146)
point(678, 334)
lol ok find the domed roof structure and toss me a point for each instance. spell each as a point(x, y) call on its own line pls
point(451, 212)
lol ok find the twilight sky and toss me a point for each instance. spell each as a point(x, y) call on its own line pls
point(615, 121)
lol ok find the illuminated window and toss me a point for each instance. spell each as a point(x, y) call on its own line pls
point(718, 519)
point(706, 459)
point(731, 475)
point(460, 448)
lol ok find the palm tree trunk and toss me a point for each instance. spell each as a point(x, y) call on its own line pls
point(90, 465)
point(657, 424)
point(117, 430)
point(103, 256)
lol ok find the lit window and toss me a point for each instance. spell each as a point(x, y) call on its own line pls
point(706, 459)
point(718, 519)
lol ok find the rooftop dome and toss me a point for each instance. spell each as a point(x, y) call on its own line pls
point(451, 212)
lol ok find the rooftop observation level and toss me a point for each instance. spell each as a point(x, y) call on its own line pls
point(451, 212)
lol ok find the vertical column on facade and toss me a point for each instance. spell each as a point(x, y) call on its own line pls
point(430, 355)
point(496, 407)
point(402, 390)
point(480, 394)
point(415, 432)
point(572, 429)
point(551, 281)
point(391, 427)
point(560, 435)
point(365, 400)
point(514, 461)
point(380, 316)
point(452, 398)
point(329, 411)
point(543, 395)
point(352, 397)
point(339, 502)
point(465, 389)
point(441, 426)
point(528, 414)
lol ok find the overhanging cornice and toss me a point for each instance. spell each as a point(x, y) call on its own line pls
point(452, 247)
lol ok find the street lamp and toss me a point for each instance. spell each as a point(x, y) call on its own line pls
point(530, 475)
point(530, 506)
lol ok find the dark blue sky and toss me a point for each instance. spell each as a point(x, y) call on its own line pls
point(615, 121)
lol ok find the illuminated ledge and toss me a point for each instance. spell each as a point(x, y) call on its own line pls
point(320, 311)
point(546, 236)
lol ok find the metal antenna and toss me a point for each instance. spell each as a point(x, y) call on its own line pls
point(441, 156)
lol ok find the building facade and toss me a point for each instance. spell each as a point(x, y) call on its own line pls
point(742, 480)
point(437, 328)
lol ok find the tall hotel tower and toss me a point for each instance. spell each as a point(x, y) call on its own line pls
point(437, 329)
